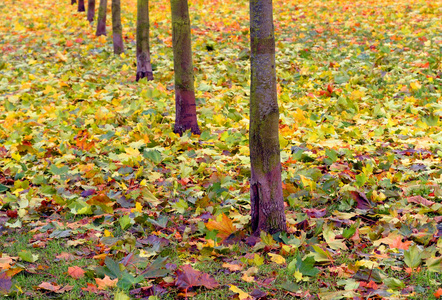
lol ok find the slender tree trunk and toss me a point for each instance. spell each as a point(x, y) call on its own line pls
point(144, 68)
point(117, 29)
point(185, 117)
point(90, 10)
point(267, 201)
point(101, 20)
point(73, 2)
point(81, 5)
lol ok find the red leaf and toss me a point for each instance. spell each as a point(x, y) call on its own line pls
point(76, 272)
point(12, 214)
point(188, 277)
point(361, 199)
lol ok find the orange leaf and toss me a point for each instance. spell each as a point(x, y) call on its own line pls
point(223, 224)
point(91, 288)
point(69, 43)
point(397, 243)
point(76, 272)
point(106, 282)
point(438, 293)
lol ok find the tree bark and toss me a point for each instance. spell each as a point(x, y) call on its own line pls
point(144, 68)
point(73, 2)
point(185, 115)
point(117, 29)
point(91, 10)
point(81, 6)
point(267, 203)
point(101, 20)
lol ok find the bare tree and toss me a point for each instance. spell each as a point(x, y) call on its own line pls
point(101, 20)
point(91, 10)
point(267, 201)
point(144, 68)
point(81, 6)
point(185, 116)
point(117, 29)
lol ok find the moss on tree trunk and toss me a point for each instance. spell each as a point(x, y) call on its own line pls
point(185, 115)
point(91, 10)
point(267, 201)
point(117, 29)
point(144, 67)
point(101, 19)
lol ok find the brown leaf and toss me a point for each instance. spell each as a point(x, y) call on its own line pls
point(76, 272)
point(420, 200)
point(65, 256)
point(233, 267)
point(361, 199)
point(49, 286)
point(315, 213)
point(188, 277)
point(106, 282)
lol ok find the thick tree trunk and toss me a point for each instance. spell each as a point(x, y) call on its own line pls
point(73, 2)
point(144, 68)
point(267, 201)
point(81, 6)
point(91, 10)
point(101, 20)
point(117, 29)
point(185, 117)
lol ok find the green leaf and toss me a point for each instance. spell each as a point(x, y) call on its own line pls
point(413, 256)
point(58, 171)
point(394, 284)
point(27, 256)
point(156, 269)
point(153, 155)
point(3, 188)
point(306, 266)
point(125, 221)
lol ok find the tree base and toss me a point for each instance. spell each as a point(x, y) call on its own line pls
point(179, 129)
point(140, 75)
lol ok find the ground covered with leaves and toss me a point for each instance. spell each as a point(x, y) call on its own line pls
point(100, 199)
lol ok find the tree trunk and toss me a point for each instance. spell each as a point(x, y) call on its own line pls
point(267, 201)
point(101, 20)
point(91, 10)
point(81, 6)
point(185, 116)
point(117, 29)
point(73, 2)
point(144, 68)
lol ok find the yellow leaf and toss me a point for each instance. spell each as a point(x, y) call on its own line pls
point(61, 57)
point(122, 55)
point(107, 233)
point(138, 208)
point(241, 294)
point(277, 258)
point(415, 85)
point(248, 275)
point(298, 275)
point(357, 95)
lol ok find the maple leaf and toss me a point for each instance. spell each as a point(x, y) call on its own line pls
point(76, 272)
point(106, 282)
point(223, 225)
point(188, 277)
point(398, 244)
point(233, 267)
point(91, 288)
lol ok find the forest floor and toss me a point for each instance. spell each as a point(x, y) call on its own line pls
point(99, 199)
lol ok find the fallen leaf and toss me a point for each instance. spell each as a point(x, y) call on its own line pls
point(76, 272)
point(188, 277)
point(223, 225)
point(106, 282)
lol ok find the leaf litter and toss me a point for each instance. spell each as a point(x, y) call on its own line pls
point(88, 157)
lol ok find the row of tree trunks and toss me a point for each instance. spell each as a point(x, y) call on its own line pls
point(267, 203)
